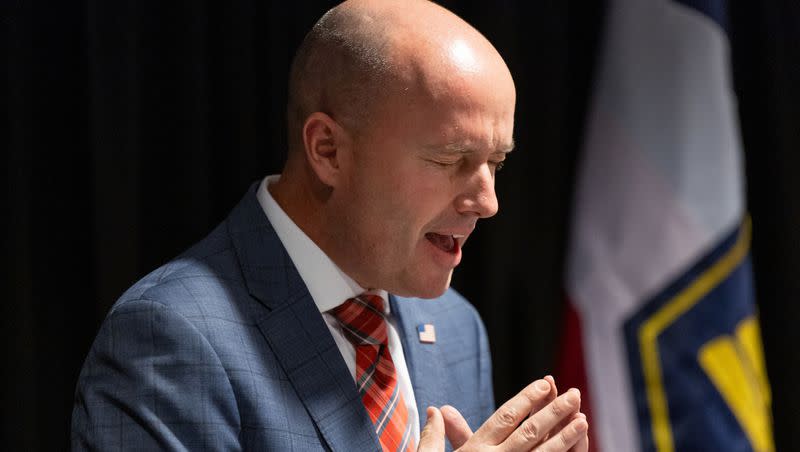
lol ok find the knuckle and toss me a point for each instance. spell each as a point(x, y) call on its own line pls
point(425, 431)
point(566, 441)
point(530, 431)
point(507, 417)
point(556, 408)
point(531, 395)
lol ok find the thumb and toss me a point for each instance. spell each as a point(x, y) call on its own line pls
point(431, 439)
point(455, 426)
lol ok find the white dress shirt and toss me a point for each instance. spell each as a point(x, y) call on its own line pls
point(329, 286)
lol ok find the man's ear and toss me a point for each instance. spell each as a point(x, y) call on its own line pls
point(325, 141)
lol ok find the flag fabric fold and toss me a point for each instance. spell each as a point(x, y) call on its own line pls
point(659, 272)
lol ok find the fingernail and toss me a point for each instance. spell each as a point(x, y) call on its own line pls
point(542, 385)
point(581, 426)
point(576, 391)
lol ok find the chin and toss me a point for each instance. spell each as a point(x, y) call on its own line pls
point(435, 293)
point(430, 288)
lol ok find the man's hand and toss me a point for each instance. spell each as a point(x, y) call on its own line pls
point(553, 424)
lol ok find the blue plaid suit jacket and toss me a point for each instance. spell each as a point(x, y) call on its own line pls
point(223, 348)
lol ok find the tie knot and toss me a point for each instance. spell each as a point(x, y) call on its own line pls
point(362, 319)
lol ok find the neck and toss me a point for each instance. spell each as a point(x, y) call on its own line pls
point(306, 201)
point(303, 198)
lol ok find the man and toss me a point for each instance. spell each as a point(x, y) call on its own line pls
point(399, 115)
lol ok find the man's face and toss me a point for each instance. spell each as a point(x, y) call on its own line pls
point(418, 180)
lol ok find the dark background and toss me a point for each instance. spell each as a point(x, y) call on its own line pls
point(130, 128)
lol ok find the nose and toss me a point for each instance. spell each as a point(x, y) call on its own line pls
point(478, 197)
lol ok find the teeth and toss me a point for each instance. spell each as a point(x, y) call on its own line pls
point(458, 236)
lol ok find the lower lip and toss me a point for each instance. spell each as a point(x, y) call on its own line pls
point(448, 259)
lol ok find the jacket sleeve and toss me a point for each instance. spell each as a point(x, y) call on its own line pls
point(152, 381)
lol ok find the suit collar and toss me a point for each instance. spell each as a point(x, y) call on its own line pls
point(296, 331)
point(266, 267)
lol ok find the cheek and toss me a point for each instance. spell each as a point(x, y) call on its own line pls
point(403, 192)
point(419, 183)
point(394, 213)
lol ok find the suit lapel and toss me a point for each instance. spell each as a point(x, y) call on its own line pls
point(297, 333)
point(424, 361)
point(311, 360)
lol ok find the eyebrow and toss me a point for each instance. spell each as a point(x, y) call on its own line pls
point(462, 148)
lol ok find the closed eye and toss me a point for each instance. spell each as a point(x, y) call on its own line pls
point(444, 164)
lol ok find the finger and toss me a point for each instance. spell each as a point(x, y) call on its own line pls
point(552, 382)
point(506, 419)
point(567, 420)
point(552, 396)
point(455, 427)
point(583, 443)
point(431, 439)
point(542, 425)
point(567, 438)
point(553, 390)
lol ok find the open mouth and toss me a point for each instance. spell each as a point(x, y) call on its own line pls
point(445, 242)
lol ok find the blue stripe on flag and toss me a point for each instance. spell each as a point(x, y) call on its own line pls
point(677, 344)
point(716, 10)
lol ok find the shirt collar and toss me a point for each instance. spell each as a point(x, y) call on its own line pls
point(328, 285)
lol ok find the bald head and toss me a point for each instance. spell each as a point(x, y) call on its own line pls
point(362, 52)
point(399, 115)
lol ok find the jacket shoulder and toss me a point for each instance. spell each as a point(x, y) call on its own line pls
point(208, 272)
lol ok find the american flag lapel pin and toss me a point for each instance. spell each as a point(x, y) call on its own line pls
point(427, 333)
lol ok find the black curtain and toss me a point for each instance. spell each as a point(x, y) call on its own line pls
point(130, 128)
point(766, 61)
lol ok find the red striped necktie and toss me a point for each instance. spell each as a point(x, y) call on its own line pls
point(364, 325)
